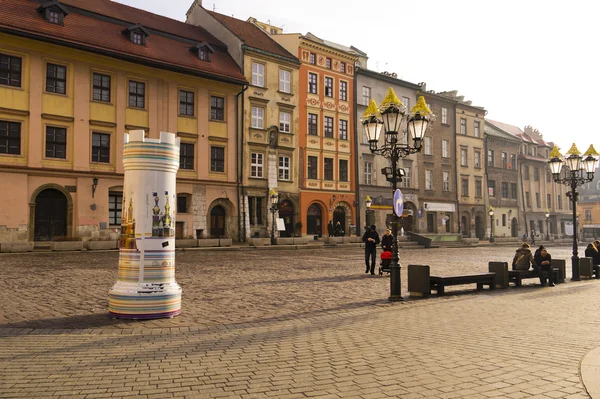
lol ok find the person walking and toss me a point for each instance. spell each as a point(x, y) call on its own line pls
point(544, 262)
point(387, 241)
point(371, 240)
point(523, 258)
point(338, 232)
point(532, 237)
point(330, 228)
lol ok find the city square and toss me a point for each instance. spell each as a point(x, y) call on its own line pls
point(292, 324)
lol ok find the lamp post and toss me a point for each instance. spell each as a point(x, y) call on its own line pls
point(393, 117)
point(274, 200)
point(368, 203)
point(491, 213)
point(576, 172)
point(547, 225)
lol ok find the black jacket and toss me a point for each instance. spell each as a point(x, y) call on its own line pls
point(371, 234)
point(592, 252)
point(539, 259)
point(387, 241)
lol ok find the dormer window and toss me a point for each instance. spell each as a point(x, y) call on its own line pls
point(53, 12)
point(137, 34)
point(204, 50)
point(136, 38)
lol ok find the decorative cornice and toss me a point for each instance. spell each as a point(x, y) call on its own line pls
point(188, 135)
point(134, 127)
point(61, 118)
point(13, 111)
point(94, 122)
point(218, 138)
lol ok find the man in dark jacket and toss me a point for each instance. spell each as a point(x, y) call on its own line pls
point(371, 239)
point(330, 228)
point(592, 252)
point(544, 261)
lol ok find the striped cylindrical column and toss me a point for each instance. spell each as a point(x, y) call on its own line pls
point(146, 286)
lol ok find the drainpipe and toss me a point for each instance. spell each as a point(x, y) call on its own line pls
point(523, 199)
point(485, 148)
point(357, 199)
point(457, 176)
point(240, 164)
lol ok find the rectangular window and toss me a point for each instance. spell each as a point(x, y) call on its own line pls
point(256, 165)
point(548, 201)
point(536, 174)
point(328, 126)
point(366, 95)
point(548, 176)
point(137, 94)
point(217, 108)
point(534, 151)
point(464, 187)
point(258, 118)
point(328, 168)
point(478, 188)
point(255, 208)
point(186, 156)
point(406, 102)
point(446, 181)
point(312, 124)
point(343, 135)
point(285, 121)
point(56, 142)
point(526, 173)
point(10, 70)
point(328, 87)
point(444, 115)
point(54, 17)
point(463, 157)
point(258, 74)
point(217, 159)
point(182, 206)
point(186, 103)
point(101, 87)
point(312, 83)
point(407, 179)
point(504, 220)
point(343, 171)
point(463, 126)
point(428, 179)
point(115, 204)
point(313, 58)
point(537, 200)
point(477, 159)
point(285, 81)
point(587, 214)
point(328, 63)
point(504, 160)
point(284, 168)
point(504, 190)
point(100, 147)
point(491, 158)
point(445, 148)
point(368, 172)
point(527, 199)
point(56, 79)
point(428, 145)
point(136, 38)
point(343, 90)
point(342, 67)
point(513, 190)
point(10, 138)
point(492, 188)
point(312, 167)
point(476, 129)
point(513, 161)
point(559, 202)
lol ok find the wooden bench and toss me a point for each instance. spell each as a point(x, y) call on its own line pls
point(439, 284)
point(517, 276)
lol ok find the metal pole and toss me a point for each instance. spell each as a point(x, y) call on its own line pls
point(547, 229)
point(273, 225)
point(575, 258)
point(491, 228)
point(395, 278)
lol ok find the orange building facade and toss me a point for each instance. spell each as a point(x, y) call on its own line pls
point(326, 138)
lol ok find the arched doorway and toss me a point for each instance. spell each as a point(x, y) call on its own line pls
point(286, 212)
point(339, 216)
point(217, 222)
point(479, 233)
point(50, 215)
point(514, 228)
point(313, 220)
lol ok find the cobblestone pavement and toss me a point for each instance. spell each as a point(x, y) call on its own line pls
point(291, 324)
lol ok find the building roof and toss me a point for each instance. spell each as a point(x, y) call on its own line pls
point(253, 36)
point(533, 138)
point(97, 26)
point(336, 46)
point(387, 78)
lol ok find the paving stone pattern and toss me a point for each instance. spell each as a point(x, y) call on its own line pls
point(291, 324)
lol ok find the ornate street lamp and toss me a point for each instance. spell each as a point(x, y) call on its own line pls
point(274, 202)
point(573, 170)
point(393, 118)
point(491, 213)
point(547, 225)
point(368, 203)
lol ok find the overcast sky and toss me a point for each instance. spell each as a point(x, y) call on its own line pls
point(531, 62)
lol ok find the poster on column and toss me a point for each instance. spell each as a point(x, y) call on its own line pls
point(280, 224)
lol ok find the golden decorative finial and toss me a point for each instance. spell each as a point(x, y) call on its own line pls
point(555, 153)
point(391, 99)
point(272, 192)
point(591, 151)
point(421, 107)
point(573, 150)
point(367, 198)
point(371, 110)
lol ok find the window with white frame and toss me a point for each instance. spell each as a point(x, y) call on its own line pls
point(428, 179)
point(258, 118)
point(444, 115)
point(284, 167)
point(463, 157)
point(446, 148)
point(477, 159)
point(285, 121)
point(406, 180)
point(285, 79)
point(258, 74)
point(446, 181)
point(476, 129)
point(343, 133)
point(428, 145)
point(368, 172)
point(257, 165)
point(587, 214)
point(463, 126)
point(406, 102)
point(366, 95)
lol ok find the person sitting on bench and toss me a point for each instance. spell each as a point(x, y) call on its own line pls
point(523, 258)
point(543, 261)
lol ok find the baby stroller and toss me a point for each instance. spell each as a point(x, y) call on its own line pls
point(386, 261)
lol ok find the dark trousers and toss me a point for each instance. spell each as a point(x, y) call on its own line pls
point(372, 254)
point(544, 271)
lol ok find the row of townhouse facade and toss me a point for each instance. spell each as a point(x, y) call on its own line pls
point(256, 110)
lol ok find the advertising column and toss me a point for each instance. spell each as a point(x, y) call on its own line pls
point(146, 286)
